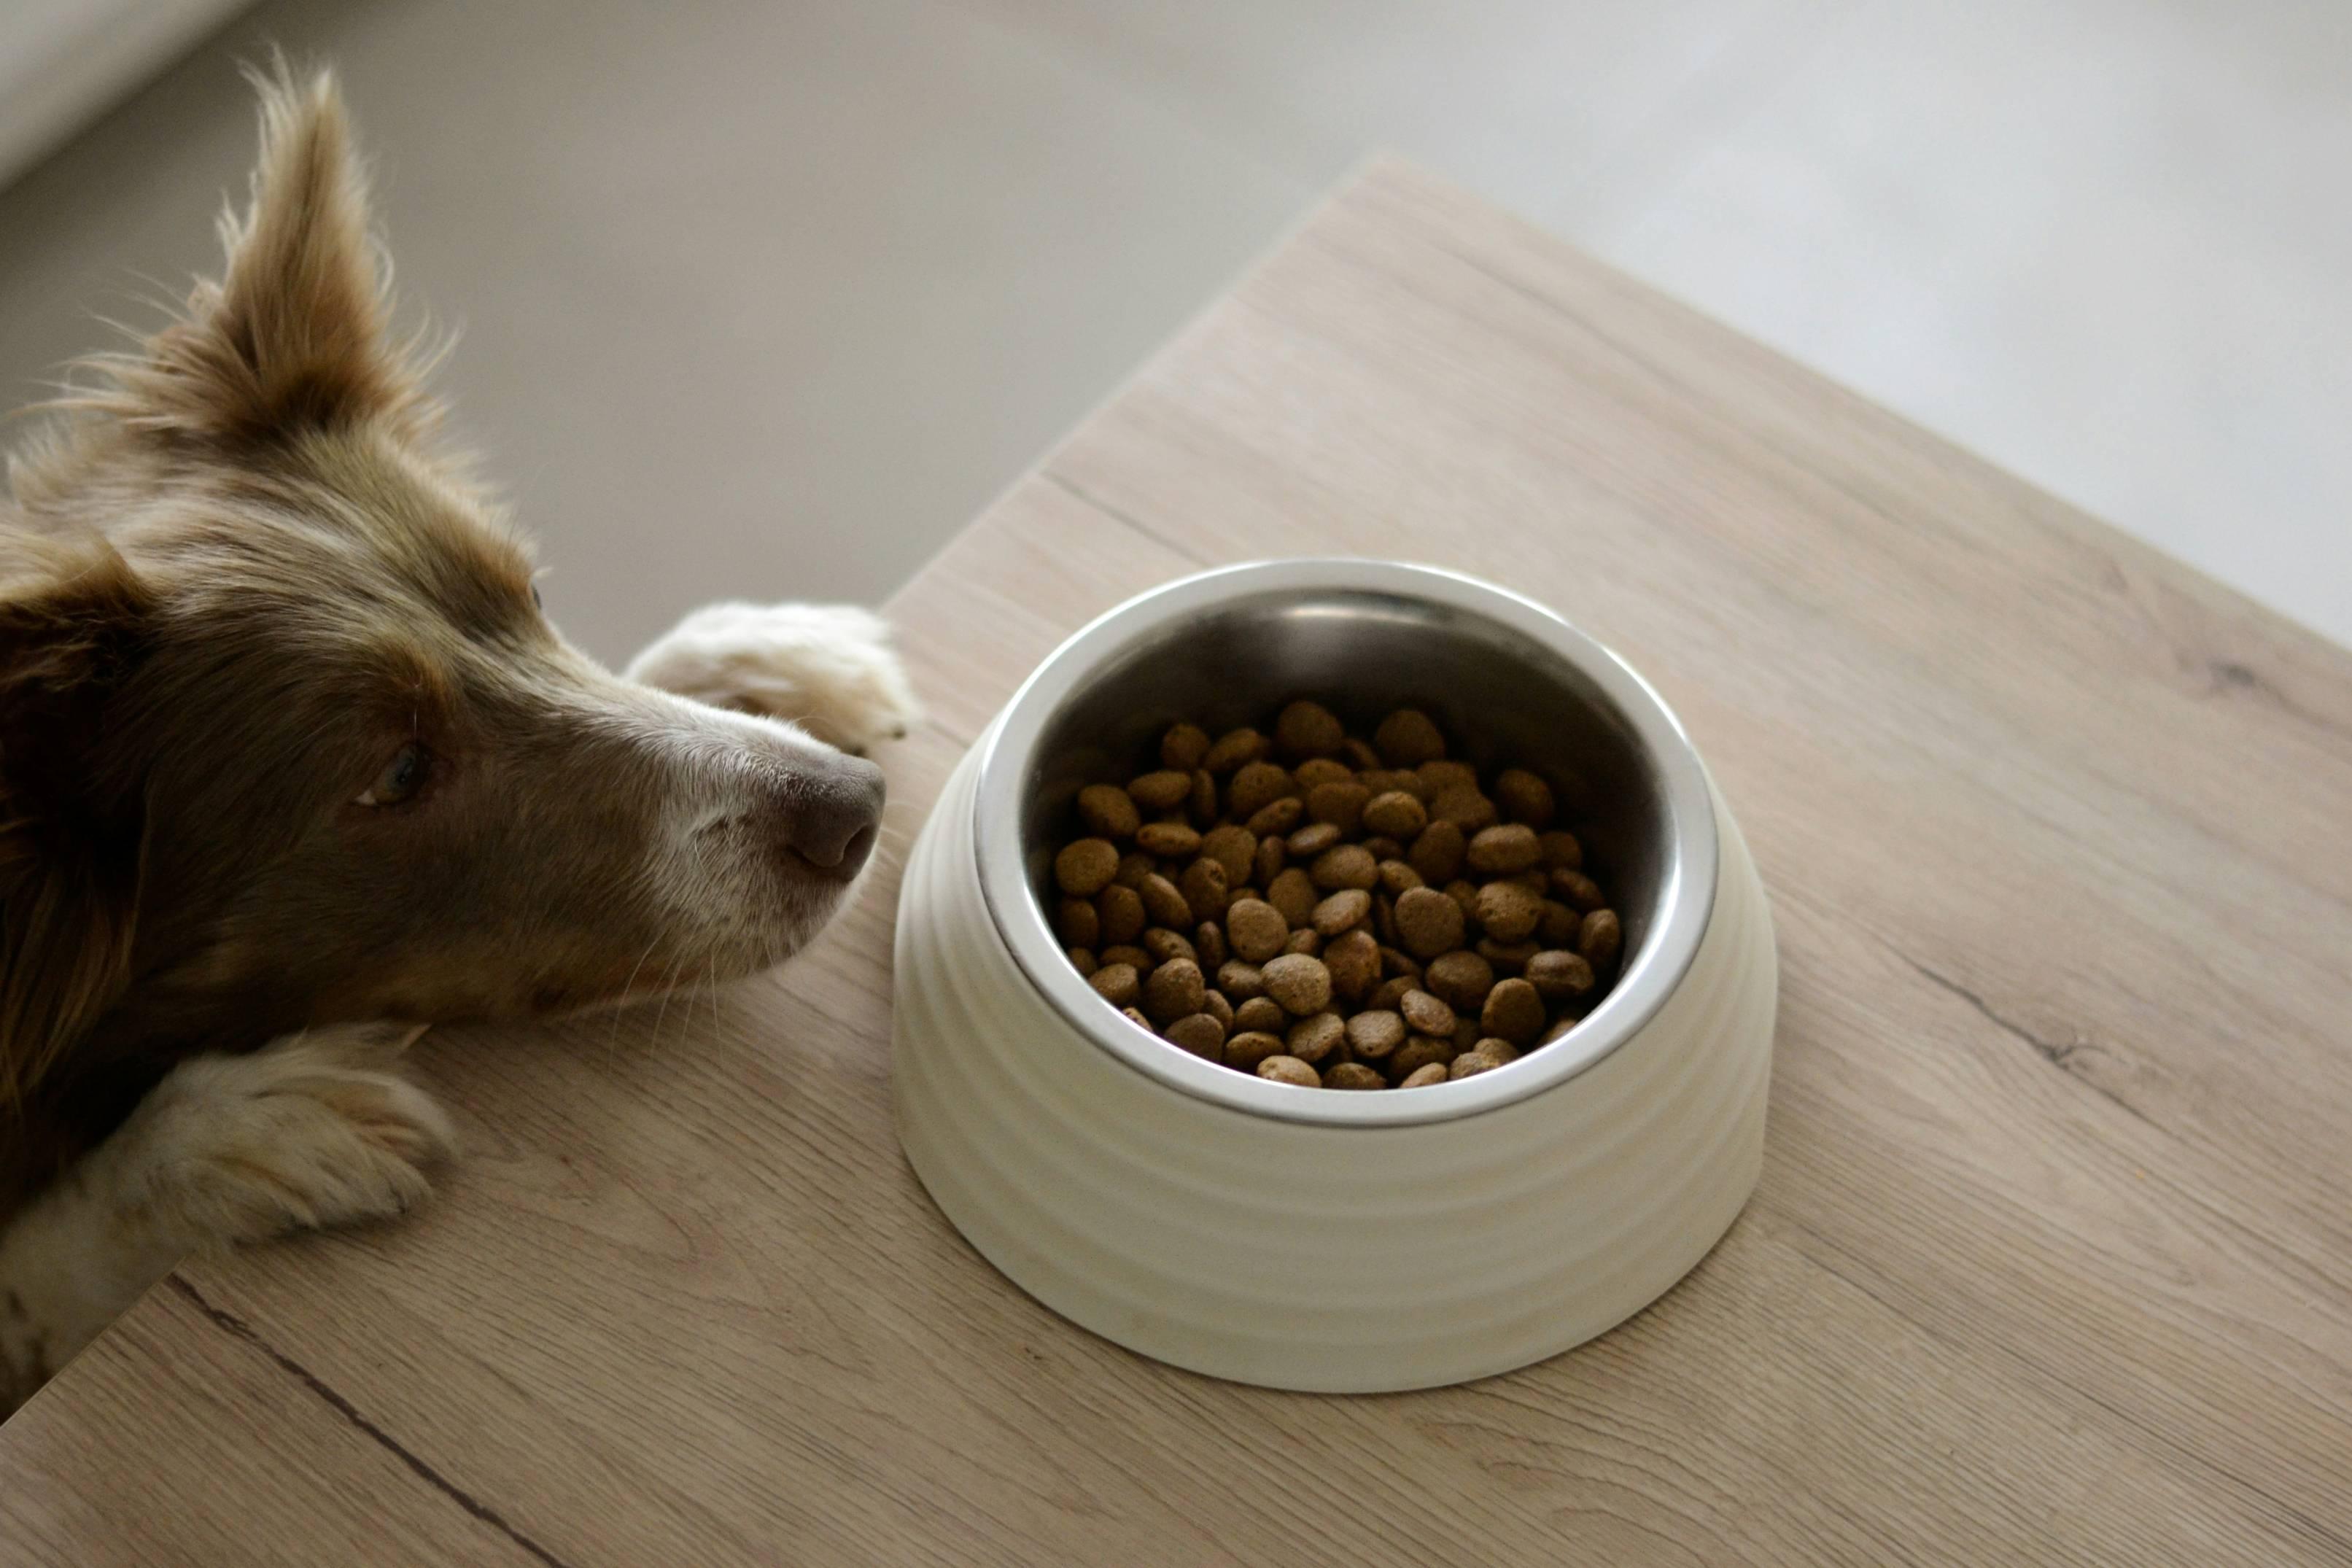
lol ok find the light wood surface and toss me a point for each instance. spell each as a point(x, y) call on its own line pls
point(2052, 1261)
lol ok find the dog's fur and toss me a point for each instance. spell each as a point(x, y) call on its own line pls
point(291, 764)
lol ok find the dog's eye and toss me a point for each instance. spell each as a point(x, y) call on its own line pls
point(402, 777)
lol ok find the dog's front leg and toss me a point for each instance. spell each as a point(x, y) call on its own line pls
point(306, 1132)
point(827, 667)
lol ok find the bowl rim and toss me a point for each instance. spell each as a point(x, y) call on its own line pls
point(1021, 925)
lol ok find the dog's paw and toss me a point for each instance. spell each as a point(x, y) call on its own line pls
point(309, 1132)
point(826, 667)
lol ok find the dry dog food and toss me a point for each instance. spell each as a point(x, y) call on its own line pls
point(1334, 912)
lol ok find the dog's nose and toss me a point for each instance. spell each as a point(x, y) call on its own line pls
point(836, 815)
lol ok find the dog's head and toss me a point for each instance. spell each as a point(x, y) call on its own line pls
point(285, 735)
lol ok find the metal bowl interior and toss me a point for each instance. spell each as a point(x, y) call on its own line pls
point(1511, 683)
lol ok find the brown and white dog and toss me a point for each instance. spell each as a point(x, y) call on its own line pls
point(292, 765)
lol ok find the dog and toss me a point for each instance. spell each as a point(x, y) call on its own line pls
point(293, 765)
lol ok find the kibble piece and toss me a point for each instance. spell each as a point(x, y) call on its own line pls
point(1251, 1046)
point(1184, 748)
point(1231, 847)
point(1508, 957)
point(1578, 890)
point(1470, 1064)
point(1135, 1017)
point(1514, 1012)
point(1373, 1035)
point(1135, 958)
point(1560, 1025)
point(1234, 749)
point(1422, 1077)
point(1358, 754)
point(1108, 812)
point(1428, 923)
point(1560, 849)
point(1560, 925)
point(1169, 840)
point(1465, 806)
point(1417, 1052)
point(1163, 903)
point(1438, 776)
point(1384, 924)
point(1395, 814)
point(1261, 1015)
point(1209, 943)
point(1523, 798)
point(1508, 910)
point(1396, 961)
point(1316, 1035)
point(1203, 887)
point(1503, 850)
point(1085, 868)
point(1269, 861)
point(1348, 866)
point(1465, 895)
point(1342, 912)
point(1120, 913)
point(1341, 804)
point(1303, 940)
point(1354, 961)
point(1317, 770)
point(1353, 1075)
point(1163, 944)
point(1600, 937)
point(1559, 976)
point(1258, 786)
point(1391, 992)
point(1200, 1034)
point(1312, 839)
point(1426, 1015)
point(1293, 892)
point(1133, 867)
point(1398, 879)
point(1079, 923)
point(1290, 1071)
point(1117, 983)
point(1299, 983)
point(1084, 961)
point(1407, 738)
point(1255, 928)
point(1308, 730)
point(1162, 791)
point(1204, 798)
point(1461, 978)
point(1465, 1034)
point(1276, 818)
point(1381, 847)
point(1214, 1004)
point(1436, 853)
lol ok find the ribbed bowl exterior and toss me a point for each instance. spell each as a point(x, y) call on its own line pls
point(1328, 1259)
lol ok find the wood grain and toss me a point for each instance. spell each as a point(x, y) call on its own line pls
point(2052, 1259)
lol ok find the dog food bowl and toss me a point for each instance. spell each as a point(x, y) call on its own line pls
point(1318, 1239)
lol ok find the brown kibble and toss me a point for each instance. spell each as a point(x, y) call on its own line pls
point(1085, 868)
point(1200, 1034)
point(1255, 928)
point(1290, 1071)
point(1373, 1035)
point(1203, 888)
point(1342, 912)
point(1231, 847)
point(1398, 879)
point(1348, 866)
point(1256, 787)
point(1162, 791)
point(1465, 1034)
point(1354, 961)
point(1395, 961)
point(1260, 1015)
point(1525, 798)
point(1184, 748)
point(1163, 903)
point(1380, 847)
point(1293, 892)
point(1559, 976)
point(1133, 867)
point(1500, 851)
point(1508, 957)
point(1133, 957)
point(1303, 940)
point(1422, 1077)
point(1514, 1012)
point(1251, 1046)
point(1163, 944)
point(1578, 890)
point(1120, 911)
point(1079, 923)
point(1108, 812)
point(1340, 803)
point(1308, 730)
point(1391, 992)
point(1353, 1075)
point(1208, 943)
point(1359, 754)
point(1299, 983)
point(1426, 1015)
point(1470, 1064)
point(1278, 817)
point(1216, 1006)
point(1084, 961)
point(1269, 860)
point(1560, 849)
point(1439, 775)
point(1396, 814)
point(1600, 937)
point(1234, 749)
point(1408, 738)
point(1464, 896)
point(1135, 1017)
point(1317, 770)
point(1437, 852)
point(1460, 978)
point(1560, 925)
point(1316, 1035)
point(1463, 806)
point(1169, 840)
point(1428, 923)
point(1204, 798)
point(1117, 983)
point(1417, 1052)
point(1384, 924)
point(1508, 910)
point(1312, 839)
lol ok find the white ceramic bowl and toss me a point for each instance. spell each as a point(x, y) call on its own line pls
point(1313, 1238)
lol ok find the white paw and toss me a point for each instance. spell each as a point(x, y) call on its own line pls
point(308, 1132)
point(827, 667)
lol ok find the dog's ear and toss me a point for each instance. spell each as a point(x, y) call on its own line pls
point(73, 628)
point(294, 335)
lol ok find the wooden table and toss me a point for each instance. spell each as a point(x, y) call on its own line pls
point(2052, 1257)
